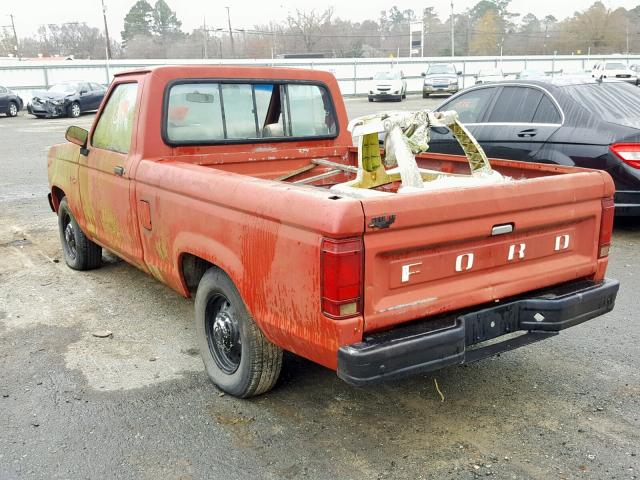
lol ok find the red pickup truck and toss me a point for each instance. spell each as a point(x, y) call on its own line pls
point(216, 181)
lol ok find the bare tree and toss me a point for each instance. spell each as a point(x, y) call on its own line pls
point(309, 25)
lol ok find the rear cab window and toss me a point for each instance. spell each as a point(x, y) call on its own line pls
point(212, 112)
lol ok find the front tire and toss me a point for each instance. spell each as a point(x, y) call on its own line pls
point(74, 110)
point(79, 252)
point(425, 95)
point(12, 109)
point(237, 356)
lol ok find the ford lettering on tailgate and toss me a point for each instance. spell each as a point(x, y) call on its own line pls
point(445, 263)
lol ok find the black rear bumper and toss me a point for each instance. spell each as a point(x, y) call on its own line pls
point(461, 338)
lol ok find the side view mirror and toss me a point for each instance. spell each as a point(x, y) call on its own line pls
point(83, 92)
point(423, 74)
point(77, 136)
point(370, 78)
point(459, 72)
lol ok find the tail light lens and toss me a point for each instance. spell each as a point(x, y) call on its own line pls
point(629, 153)
point(341, 277)
point(606, 227)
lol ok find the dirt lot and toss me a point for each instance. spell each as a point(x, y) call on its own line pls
point(139, 405)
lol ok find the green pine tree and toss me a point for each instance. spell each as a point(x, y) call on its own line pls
point(165, 22)
point(138, 21)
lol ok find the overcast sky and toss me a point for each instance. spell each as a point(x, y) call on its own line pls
point(29, 14)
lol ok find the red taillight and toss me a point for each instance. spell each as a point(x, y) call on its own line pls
point(629, 153)
point(341, 277)
point(606, 227)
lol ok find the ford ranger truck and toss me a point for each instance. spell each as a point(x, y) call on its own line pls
point(216, 181)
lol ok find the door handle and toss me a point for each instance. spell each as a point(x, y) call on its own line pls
point(118, 170)
point(529, 132)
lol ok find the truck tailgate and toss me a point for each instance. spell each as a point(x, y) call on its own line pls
point(441, 252)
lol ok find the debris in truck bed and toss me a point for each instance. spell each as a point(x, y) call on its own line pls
point(407, 134)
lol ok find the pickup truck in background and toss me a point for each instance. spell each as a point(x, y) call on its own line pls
point(216, 181)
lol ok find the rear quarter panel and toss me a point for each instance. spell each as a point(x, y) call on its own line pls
point(265, 235)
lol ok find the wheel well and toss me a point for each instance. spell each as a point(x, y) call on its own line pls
point(192, 269)
point(57, 195)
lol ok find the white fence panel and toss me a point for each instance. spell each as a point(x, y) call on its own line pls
point(353, 74)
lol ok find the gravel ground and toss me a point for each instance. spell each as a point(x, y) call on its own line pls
point(139, 405)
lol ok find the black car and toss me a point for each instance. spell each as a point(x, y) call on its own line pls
point(67, 99)
point(10, 102)
point(577, 122)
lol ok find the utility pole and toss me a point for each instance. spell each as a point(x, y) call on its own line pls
point(106, 30)
point(453, 46)
point(627, 37)
point(15, 37)
point(206, 38)
point(233, 50)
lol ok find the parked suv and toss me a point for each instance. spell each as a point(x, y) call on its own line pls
point(440, 78)
point(10, 102)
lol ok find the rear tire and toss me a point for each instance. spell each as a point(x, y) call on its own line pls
point(79, 252)
point(12, 109)
point(237, 356)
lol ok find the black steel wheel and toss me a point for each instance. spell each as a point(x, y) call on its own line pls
point(69, 244)
point(79, 252)
point(237, 356)
point(223, 333)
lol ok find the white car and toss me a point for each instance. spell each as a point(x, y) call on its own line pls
point(614, 71)
point(489, 75)
point(389, 85)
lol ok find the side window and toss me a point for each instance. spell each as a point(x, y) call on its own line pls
point(114, 128)
point(96, 87)
point(515, 105)
point(546, 112)
point(310, 111)
point(213, 112)
point(3, 90)
point(471, 106)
